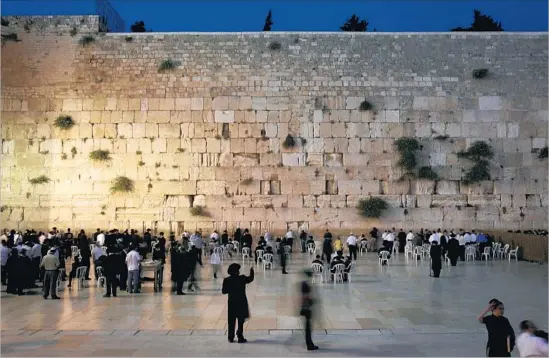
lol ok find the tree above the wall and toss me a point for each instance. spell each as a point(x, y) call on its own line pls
point(481, 22)
point(139, 26)
point(354, 24)
point(268, 22)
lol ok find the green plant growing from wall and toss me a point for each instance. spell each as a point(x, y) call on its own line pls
point(64, 122)
point(542, 153)
point(63, 156)
point(74, 31)
point(166, 65)
point(365, 106)
point(246, 181)
point(100, 155)
point(407, 148)
point(73, 152)
point(371, 207)
point(122, 184)
point(141, 163)
point(42, 179)
point(86, 40)
point(5, 22)
point(480, 73)
point(289, 142)
point(128, 39)
point(198, 211)
point(427, 173)
point(479, 153)
point(275, 46)
point(10, 37)
point(442, 137)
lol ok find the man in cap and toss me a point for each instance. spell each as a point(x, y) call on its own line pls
point(235, 287)
point(50, 263)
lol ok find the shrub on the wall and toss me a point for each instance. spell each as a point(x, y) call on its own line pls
point(372, 207)
point(74, 31)
point(122, 184)
point(365, 106)
point(479, 172)
point(407, 148)
point(275, 46)
point(427, 173)
point(289, 142)
point(5, 22)
point(543, 153)
point(64, 122)
point(42, 179)
point(198, 211)
point(166, 65)
point(479, 153)
point(100, 155)
point(87, 40)
point(480, 73)
point(10, 37)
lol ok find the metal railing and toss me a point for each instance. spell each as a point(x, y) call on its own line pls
point(109, 19)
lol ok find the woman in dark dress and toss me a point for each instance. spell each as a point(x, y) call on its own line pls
point(453, 249)
point(235, 287)
point(436, 259)
point(501, 336)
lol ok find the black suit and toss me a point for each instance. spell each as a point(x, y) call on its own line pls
point(235, 287)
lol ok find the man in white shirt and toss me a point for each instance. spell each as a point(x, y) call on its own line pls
point(268, 236)
point(410, 237)
point(18, 238)
point(4, 253)
point(4, 236)
point(390, 240)
point(96, 254)
point(41, 238)
point(434, 237)
point(101, 239)
point(214, 236)
point(290, 240)
point(27, 246)
point(351, 243)
point(467, 238)
point(473, 237)
point(528, 343)
point(133, 260)
point(36, 258)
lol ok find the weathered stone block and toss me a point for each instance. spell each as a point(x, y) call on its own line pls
point(294, 159)
point(423, 187)
point(446, 187)
point(225, 116)
point(449, 200)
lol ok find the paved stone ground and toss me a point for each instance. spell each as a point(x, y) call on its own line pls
point(386, 311)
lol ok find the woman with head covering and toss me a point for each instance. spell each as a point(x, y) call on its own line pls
point(306, 311)
point(501, 337)
point(529, 342)
point(235, 287)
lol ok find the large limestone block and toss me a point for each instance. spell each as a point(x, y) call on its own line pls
point(484, 200)
point(245, 160)
point(210, 187)
point(277, 103)
point(449, 200)
point(187, 187)
point(294, 159)
point(169, 130)
point(225, 116)
point(315, 159)
point(333, 160)
point(395, 187)
point(423, 187)
point(490, 103)
point(447, 187)
point(352, 187)
point(485, 187)
point(370, 187)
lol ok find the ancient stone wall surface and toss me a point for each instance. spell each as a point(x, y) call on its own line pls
point(210, 132)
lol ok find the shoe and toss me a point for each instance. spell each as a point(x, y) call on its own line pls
point(56, 298)
point(106, 295)
point(113, 295)
point(181, 293)
point(69, 286)
point(45, 297)
point(242, 340)
point(215, 275)
point(231, 340)
point(312, 348)
point(284, 273)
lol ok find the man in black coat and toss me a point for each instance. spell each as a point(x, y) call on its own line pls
point(282, 251)
point(238, 309)
point(111, 267)
point(401, 237)
point(436, 258)
point(453, 249)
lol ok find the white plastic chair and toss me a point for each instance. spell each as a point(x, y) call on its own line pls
point(311, 248)
point(351, 269)
point(495, 250)
point(318, 272)
point(220, 251)
point(339, 271)
point(470, 253)
point(503, 252)
point(384, 257)
point(74, 251)
point(486, 253)
point(408, 250)
point(101, 279)
point(236, 246)
point(426, 250)
point(245, 253)
point(268, 260)
point(259, 254)
point(59, 279)
point(446, 259)
point(287, 252)
point(363, 247)
point(92, 246)
point(514, 253)
point(318, 247)
point(418, 252)
point(81, 276)
point(396, 245)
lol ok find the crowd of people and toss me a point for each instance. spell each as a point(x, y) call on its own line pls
point(33, 257)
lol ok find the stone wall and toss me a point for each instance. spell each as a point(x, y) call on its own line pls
point(210, 131)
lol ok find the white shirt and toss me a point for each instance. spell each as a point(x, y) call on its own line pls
point(461, 240)
point(267, 236)
point(50, 235)
point(17, 238)
point(531, 346)
point(434, 237)
point(97, 252)
point(410, 237)
point(100, 239)
point(467, 238)
point(390, 237)
point(214, 236)
point(36, 251)
point(27, 250)
point(351, 240)
point(132, 260)
point(4, 237)
point(473, 238)
point(4, 253)
point(384, 236)
point(289, 235)
point(42, 238)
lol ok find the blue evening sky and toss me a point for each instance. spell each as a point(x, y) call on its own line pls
point(299, 15)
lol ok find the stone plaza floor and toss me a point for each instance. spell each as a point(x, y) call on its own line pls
point(395, 310)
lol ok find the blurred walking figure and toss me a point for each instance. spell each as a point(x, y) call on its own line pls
point(501, 337)
point(529, 342)
point(235, 287)
point(307, 302)
point(215, 261)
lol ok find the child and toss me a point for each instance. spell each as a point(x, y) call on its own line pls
point(215, 261)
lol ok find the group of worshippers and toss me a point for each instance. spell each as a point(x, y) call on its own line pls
point(531, 342)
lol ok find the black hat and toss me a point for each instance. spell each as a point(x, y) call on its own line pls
point(233, 269)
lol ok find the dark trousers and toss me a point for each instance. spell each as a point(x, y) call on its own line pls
point(111, 284)
point(462, 252)
point(179, 285)
point(390, 246)
point(283, 262)
point(231, 323)
point(328, 256)
point(308, 330)
point(4, 273)
point(436, 267)
point(352, 251)
point(303, 245)
point(50, 283)
point(124, 279)
point(290, 242)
